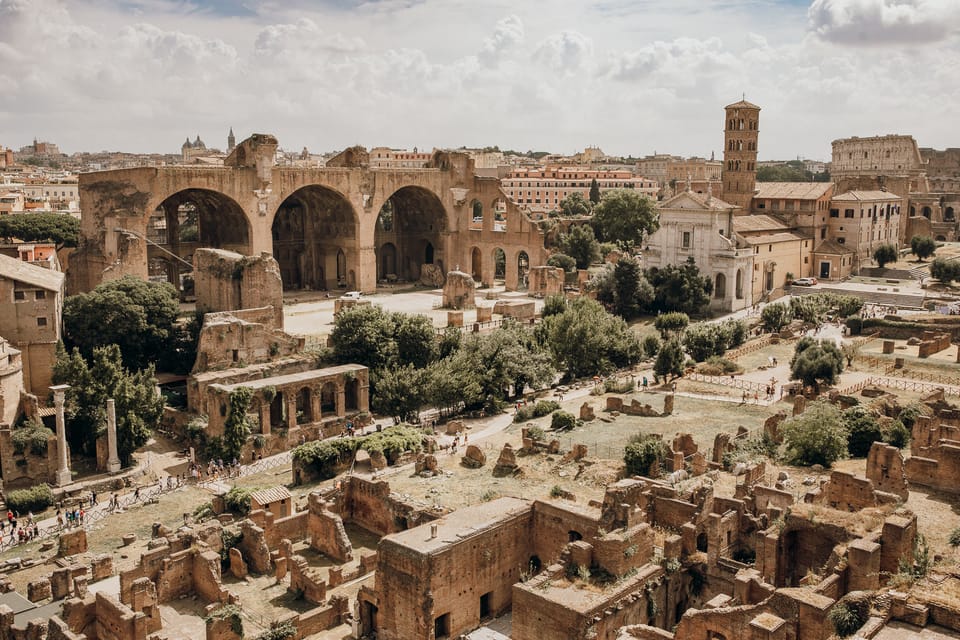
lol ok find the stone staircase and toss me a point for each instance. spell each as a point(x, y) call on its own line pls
point(889, 298)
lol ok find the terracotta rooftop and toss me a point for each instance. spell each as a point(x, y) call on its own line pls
point(758, 222)
point(792, 190)
point(16, 269)
point(861, 196)
point(742, 103)
point(832, 247)
point(268, 496)
point(773, 238)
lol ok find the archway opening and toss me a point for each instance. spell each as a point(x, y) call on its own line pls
point(328, 399)
point(388, 262)
point(926, 212)
point(303, 406)
point(739, 285)
point(314, 239)
point(948, 214)
point(720, 286)
point(477, 221)
point(191, 219)
point(352, 395)
point(523, 267)
point(476, 264)
point(499, 264)
point(413, 220)
point(278, 411)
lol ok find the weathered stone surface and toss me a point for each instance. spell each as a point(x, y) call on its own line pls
point(426, 464)
point(586, 412)
point(507, 462)
point(474, 457)
point(459, 292)
point(39, 590)
point(237, 566)
point(72, 543)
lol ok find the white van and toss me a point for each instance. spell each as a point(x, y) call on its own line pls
point(351, 295)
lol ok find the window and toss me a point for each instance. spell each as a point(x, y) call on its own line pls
point(806, 259)
point(685, 242)
point(19, 295)
point(848, 213)
point(842, 240)
point(834, 213)
point(41, 295)
point(41, 322)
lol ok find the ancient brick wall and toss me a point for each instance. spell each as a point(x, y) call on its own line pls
point(116, 621)
point(556, 523)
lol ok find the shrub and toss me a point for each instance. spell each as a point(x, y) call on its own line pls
point(897, 435)
point(562, 421)
point(775, 316)
point(536, 434)
point(278, 631)
point(558, 492)
point(237, 500)
point(34, 499)
point(671, 323)
point(816, 436)
point(909, 414)
point(651, 345)
point(718, 366)
point(855, 324)
point(846, 618)
point(31, 436)
point(563, 261)
point(545, 408)
point(954, 539)
point(642, 452)
point(619, 386)
point(863, 430)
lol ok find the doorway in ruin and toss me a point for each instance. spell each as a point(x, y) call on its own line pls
point(278, 412)
point(189, 220)
point(303, 406)
point(414, 222)
point(499, 264)
point(328, 399)
point(441, 626)
point(352, 395)
point(476, 264)
point(315, 239)
point(523, 267)
point(388, 262)
point(486, 610)
point(368, 618)
point(803, 550)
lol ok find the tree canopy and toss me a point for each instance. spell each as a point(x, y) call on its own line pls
point(680, 288)
point(625, 216)
point(59, 228)
point(138, 407)
point(816, 362)
point(594, 191)
point(380, 339)
point(885, 254)
point(575, 205)
point(944, 270)
point(585, 340)
point(623, 287)
point(136, 315)
point(816, 436)
point(922, 246)
point(581, 245)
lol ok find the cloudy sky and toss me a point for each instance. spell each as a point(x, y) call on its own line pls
point(630, 76)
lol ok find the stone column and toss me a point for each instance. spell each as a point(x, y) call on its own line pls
point(341, 400)
point(291, 401)
point(63, 476)
point(113, 459)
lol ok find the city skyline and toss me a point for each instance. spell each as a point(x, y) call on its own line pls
point(629, 77)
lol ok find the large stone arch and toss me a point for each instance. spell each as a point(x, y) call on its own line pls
point(310, 229)
point(190, 219)
point(413, 220)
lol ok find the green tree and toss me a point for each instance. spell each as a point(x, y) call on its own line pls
point(136, 315)
point(416, 339)
point(643, 452)
point(581, 245)
point(922, 246)
point(594, 192)
point(816, 362)
point(454, 382)
point(575, 206)
point(673, 323)
point(508, 357)
point(585, 340)
point(944, 270)
point(704, 339)
point(651, 345)
point(238, 425)
point(59, 228)
point(401, 392)
point(816, 436)
point(885, 254)
point(563, 261)
point(680, 288)
point(775, 316)
point(622, 287)
point(138, 407)
point(625, 216)
point(553, 304)
point(364, 335)
point(669, 362)
point(863, 429)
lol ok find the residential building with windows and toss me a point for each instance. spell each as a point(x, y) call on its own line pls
point(861, 221)
point(540, 190)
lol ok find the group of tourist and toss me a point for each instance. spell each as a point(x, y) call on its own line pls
point(878, 311)
point(72, 518)
point(214, 470)
point(20, 532)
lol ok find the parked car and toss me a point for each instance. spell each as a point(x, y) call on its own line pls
point(351, 295)
point(805, 282)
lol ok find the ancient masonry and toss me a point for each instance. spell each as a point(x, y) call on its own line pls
point(347, 225)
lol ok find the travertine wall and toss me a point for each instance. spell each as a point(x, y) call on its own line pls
point(229, 281)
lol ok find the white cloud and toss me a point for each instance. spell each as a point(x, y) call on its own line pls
point(631, 78)
point(884, 22)
point(507, 34)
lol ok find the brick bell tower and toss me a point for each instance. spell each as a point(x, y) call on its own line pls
point(740, 154)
